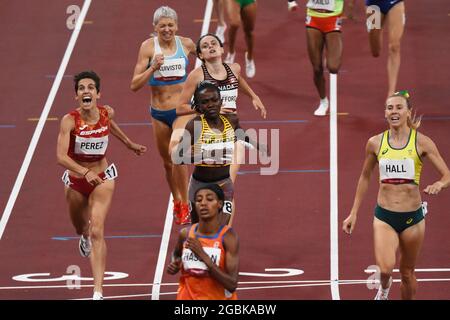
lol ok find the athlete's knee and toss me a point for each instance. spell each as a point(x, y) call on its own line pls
point(407, 274)
point(394, 47)
point(97, 232)
point(235, 24)
point(333, 67)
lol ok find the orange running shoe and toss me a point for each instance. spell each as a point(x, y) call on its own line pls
point(185, 216)
point(177, 211)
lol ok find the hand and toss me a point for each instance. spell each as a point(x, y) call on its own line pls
point(174, 266)
point(93, 178)
point(158, 61)
point(349, 224)
point(195, 246)
point(259, 105)
point(435, 188)
point(137, 148)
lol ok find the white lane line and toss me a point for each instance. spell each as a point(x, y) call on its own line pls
point(416, 270)
point(40, 126)
point(205, 25)
point(168, 223)
point(334, 245)
point(163, 251)
point(315, 284)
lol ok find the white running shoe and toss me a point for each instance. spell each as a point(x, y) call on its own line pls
point(292, 5)
point(250, 68)
point(220, 32)
point(85, 246)
point(229, 58)
point(323, 108)
point(382, 294)
point(97, 296)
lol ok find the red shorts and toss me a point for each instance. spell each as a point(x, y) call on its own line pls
point(82, 185)
point(325, 25)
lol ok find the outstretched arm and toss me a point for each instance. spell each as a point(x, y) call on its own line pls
point(431, 152)
point(257, 103)
point(119, 134)
point(242, 135)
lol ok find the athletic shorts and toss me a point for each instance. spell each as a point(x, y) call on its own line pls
point(400, 221)
point(166, 116)
point(228, 190)
point(384, 5)
point(82, 185)
point(326, 24)
point(244, 3)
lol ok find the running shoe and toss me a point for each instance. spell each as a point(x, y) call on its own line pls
point(176, 211)
point(85, 246)
point(97, 296)
point(292, 5)
point(323, 108)
point(250, 68)
point(185, 216)
point(220, 32)
point(382, 294)
point(229, 58)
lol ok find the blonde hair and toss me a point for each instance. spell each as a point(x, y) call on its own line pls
point(414, 121)
point(164, 12)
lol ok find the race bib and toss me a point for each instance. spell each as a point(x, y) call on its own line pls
point(91, 146)
point(327, 5)
point(424, 208)
point(172, 69)
point(111, 172)
point(65, 178)
point(227, 207)
point(217, 153)
point(193, 264)
point(397, 169)
point(229, 98)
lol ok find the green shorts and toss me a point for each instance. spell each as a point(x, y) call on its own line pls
point(400, 221)
point(244, 3)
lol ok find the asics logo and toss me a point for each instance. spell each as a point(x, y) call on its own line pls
point(409, 221)
point(384, 151)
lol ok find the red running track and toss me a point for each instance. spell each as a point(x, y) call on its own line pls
point(283, 220)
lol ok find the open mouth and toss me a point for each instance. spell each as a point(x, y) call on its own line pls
point(395, 118)
point(87, 100)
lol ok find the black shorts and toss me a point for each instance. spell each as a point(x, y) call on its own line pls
point(400, 221)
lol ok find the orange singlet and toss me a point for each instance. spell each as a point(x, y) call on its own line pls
point(195, 281)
